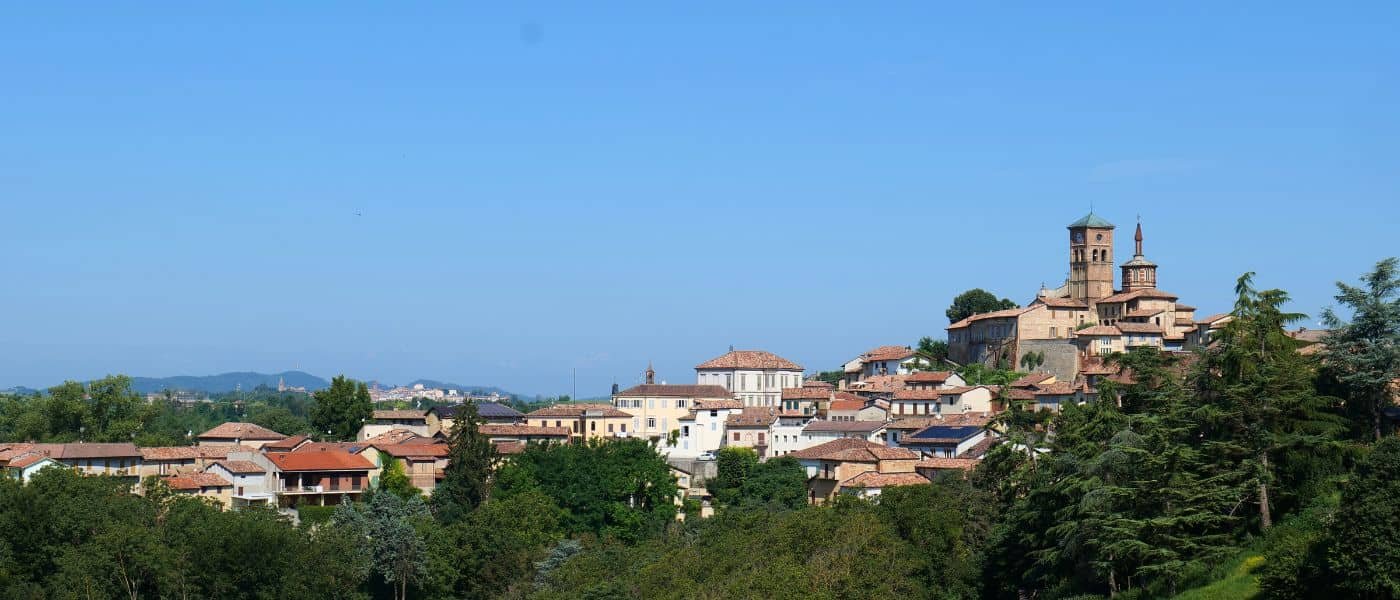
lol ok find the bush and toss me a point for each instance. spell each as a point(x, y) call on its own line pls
point(310, 514)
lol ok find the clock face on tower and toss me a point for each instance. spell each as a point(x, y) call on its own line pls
point(1099, 237)
point(1079, 237)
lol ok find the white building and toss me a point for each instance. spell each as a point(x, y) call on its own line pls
point(821, 432)
point(787, 433)
point(754, 377)
point(702, 429)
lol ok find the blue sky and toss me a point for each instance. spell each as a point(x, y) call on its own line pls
point(501, 195)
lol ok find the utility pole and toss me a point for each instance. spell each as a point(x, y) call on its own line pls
point(573, 394)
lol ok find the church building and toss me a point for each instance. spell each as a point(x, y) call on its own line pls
point(1067, 328)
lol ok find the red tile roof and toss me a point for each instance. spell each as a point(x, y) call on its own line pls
point(241, 431)
point(195, 481)
point(1147, 293)
point(23, 460)
point(918, 394)
point(806, 393)
point(241, 467)
point(947, 464)
point(871, 479)
point(509, 447)
point(845, 405)
point(392, 436)
point(1053, 302)
point(884, 353)
point(854, 450)
point(400, 415)
point(1184, 308)
point(817, 383)
point(753, 416)
point(523, 431)
point(1031, 379)
point(879, 383)
point(953, 420)
point(1211, 319)
point(320, 460)
point(728, 404)
point(999, 314)
point(749, 359)
point(1143, 313)
point(1139, 328)
point(414, 450)
point(154, 453)
point(866, 427)
point(672, 390)
point(1098, 330)
point(928, 377)
point(89, 450)
point(287, 443)
point(578, 410)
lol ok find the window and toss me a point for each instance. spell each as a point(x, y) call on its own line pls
point(610, 427)
point(743, 382)
point(651, 422)
point(651, 403)
point(736, 436)
point(556, 424)
point(728, 381)
point(575, 424)
point(685, 431)
point(1054, 332)
point(712, 425)
point(624, 428)
point(593, 426)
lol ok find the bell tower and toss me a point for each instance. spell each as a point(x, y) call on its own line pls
point(1139, 273)
point(1090, 258)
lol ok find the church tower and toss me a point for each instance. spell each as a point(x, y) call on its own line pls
point(651, 374)
point(1090, 258)
point(1139, 273)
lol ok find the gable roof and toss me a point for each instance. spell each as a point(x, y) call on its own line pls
point(752, 416)
point(392, 436)
point(672, 390)
point(749, 359)
point(940, 434)
point(1031, 380)
point(1143, 293)
point(320, 460)
point(947, 464)
point(1060, 302)
point(866, 427)
point(845, 405)
point(241, 467)
point(713, 404)
point(400, 415)
point(997, 314)
point(873, 479)
point(957, 419)
point(91, 450)
point(806, 393)
point(1138, 328)
point(486, 410)
point(854, 450)
point(414, 450)
point(195, 481)
point(241, 431)
point(523, 430)
point(934, 394)
point(883, 353)
point(154, 453)
point(817, 383)
point(578, 410)
point(928, 377)
point(1098, 330)
point(285, 443)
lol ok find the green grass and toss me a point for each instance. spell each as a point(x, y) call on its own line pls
point(1240, 584)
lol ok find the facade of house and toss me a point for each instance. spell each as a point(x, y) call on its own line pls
point(162, 461)
point(819, 432)
point(24, 467)
point(702, 430)
point(320, 477)
point(754, 377)
point(787, 433)
point(440, 419)
point(202, 484)
point(842, 465)
point(585, 421)
point(751, 427)
point(239, 434)
point(944, 441)
point(657, 409)
point(250, 477)
point(384, 420)
point(806, 399)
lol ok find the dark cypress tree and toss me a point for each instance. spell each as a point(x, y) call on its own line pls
point(467, 479)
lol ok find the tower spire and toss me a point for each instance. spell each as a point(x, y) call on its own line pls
point(1137, 239)
point(651, 373)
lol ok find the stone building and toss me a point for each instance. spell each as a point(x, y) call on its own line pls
point(1049, 328)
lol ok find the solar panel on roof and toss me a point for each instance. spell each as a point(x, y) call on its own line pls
point(947, 432)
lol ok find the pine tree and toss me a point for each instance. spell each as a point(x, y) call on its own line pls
point(466, 480)
point(1364, 354)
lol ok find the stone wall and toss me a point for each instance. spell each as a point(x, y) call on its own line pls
point(1061, 357)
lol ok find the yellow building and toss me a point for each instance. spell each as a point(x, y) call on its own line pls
point(585, 421)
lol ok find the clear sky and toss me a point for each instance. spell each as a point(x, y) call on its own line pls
point(492, 195)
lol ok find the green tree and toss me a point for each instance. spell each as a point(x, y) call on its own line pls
point(778, 482)
point(732, 468)
point(341, 409)
point(1364, 353)
point(390, 525)
point(975, 301)
point(394, 480)
point(1364, 549)
point(932, 353)
point(470, 463)
point(280, 419)
point(493, 550)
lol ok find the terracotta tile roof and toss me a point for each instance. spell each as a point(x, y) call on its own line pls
point(845, 405)
point(728, 404)
point(884, 353)
point(523, 430)
point(749, 359)
point(806, 393)
point(955, 420)
point(1139, 328)
point(879, 383)
point(324, 446)
point(1059, 388)
point(116, 450)
point(320, 460)
point(241, 431)
point(392, 436)
point(24, 460)
point(947, 464)
point(1098, 330)
point(999, 314)
point(485, 410)
point(195, 481)
point(1031, 380)
point(414, 450)
point(854, 450)
point(1304, 334)
point(794, 414)
point(979, 449)
point(241, 467)
point(1143, 313)
point(399, 415)
point(1135, 294)
point(928, 377)
point(287, 443)
point(1021, 394)
point(1054, 302)
point(960, 390)
point(752, 416)
point(817, 383)
point(866, 427)
point(1184, 308)
point(871, 479)
point(508, 448)
point(578, 410)
point(918, 394)
point(155, 453)
point(1211, 319)
point(673, 390)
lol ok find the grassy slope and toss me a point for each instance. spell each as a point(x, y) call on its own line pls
point(1242, 583)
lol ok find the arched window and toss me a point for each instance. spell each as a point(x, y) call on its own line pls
point(1096, 255)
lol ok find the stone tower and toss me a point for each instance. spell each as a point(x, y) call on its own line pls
point(1139, 273)
point(651, 374)
point(1090, 258)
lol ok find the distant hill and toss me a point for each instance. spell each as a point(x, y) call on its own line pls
point(226, 382)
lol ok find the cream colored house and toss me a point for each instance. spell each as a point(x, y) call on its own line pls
point(703, 429)
point(239, 434)
point(852, 465)
point(657, 409)
point(585, 421)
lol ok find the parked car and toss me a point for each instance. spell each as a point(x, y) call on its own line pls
point(706, 455)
